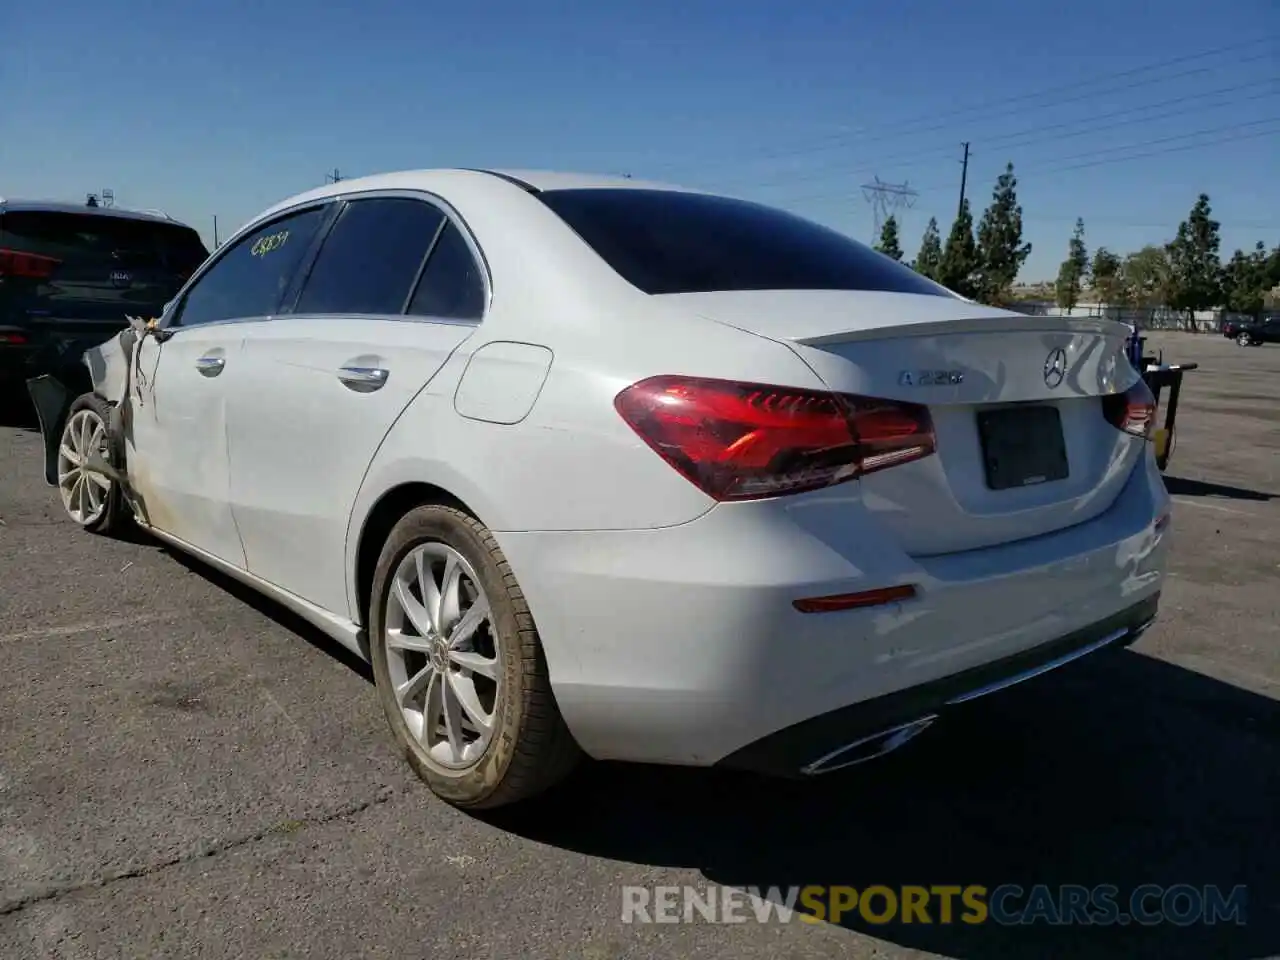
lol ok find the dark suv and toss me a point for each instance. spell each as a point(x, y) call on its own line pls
point(69, 276)
point(1254, 333)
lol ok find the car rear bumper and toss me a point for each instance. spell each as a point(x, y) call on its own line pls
point(872, 728)
point(682, 644)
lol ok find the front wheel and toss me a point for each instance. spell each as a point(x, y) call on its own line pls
point(1244, 340)
point(91, 495)
point(459, 667)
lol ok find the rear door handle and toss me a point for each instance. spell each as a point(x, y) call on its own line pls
point(363, 379)
point(211, 366)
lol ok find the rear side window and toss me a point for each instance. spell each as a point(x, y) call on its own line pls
point(123, 243)
point(451, 286)
point(371, 258)
point(664, 241)
point(251, 277)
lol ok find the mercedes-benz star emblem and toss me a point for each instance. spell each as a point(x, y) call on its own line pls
point(1055, 368)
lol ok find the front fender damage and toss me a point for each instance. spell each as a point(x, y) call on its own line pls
point(110, 367)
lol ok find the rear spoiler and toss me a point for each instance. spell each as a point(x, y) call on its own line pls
point(999, 324)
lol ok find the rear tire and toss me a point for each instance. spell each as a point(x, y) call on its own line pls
point(94, 501)
point(467, 694)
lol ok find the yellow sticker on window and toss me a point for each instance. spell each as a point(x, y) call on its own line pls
point(264, 245)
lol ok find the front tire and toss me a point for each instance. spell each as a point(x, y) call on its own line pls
point(459, 667)
point(1244, 340)
point(90, 498)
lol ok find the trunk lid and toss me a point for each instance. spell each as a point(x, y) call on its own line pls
point(1023, 447)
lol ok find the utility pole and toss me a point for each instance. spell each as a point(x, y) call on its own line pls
point(333, 177)
point(964, 176)
point(886, 199)
point(215, 231)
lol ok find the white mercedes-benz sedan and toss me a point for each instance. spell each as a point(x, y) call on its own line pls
point(590, 466)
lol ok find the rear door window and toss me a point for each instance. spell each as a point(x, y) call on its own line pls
point(666, 241)
point(250, 278)
point(451, 287)
point(371, 257)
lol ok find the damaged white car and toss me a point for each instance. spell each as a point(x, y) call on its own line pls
point(594, 467)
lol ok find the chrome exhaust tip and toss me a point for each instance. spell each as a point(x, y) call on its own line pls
point(868, 748)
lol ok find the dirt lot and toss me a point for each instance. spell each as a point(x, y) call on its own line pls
point(187, 771)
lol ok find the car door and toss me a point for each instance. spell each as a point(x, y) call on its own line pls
point(394, 289)
point(186, 376)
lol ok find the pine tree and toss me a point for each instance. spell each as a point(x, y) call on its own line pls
point(888, 244)
point(956, 271)
point(1072, 272)
point(1196, 271)
point(929, 258)
point(1001, 252)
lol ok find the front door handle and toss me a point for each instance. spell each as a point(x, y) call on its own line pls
point(363, 379)
point(211, 366)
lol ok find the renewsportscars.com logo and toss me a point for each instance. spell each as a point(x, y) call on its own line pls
point(1007, 905)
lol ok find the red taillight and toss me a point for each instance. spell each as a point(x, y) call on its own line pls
point(1133, 411)
point(31, 266)
point(743, 441)
point(16, 339)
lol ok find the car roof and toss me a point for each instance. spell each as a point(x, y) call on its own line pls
point(468, 180)
point(54, 206)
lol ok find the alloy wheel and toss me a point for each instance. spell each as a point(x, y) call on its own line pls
point(84, 490)
point(443, 656)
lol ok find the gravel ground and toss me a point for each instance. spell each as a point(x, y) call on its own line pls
point(188, 771)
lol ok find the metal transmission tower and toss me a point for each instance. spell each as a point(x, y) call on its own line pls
point(886, 199)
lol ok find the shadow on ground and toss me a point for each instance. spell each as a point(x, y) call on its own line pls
point(1177, 486)
point(16, 409)
point(268, 608)
point(1122, 770)
point(1126, 771)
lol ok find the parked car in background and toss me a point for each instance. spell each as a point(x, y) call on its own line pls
point(1254, 333)
point(69, 276)
point(584, 465)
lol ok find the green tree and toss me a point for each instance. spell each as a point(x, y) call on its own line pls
point(1105, 278)
point(1073, 270)
point(1147, 276)
point(1193, 259)
point(1001, 252)
point(1246, 280)
point(929, 259)
point(888, 244)
point(958, 267)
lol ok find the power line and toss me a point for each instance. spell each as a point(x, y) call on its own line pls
point(1096, 163)
point(1161, 153)
point(1172, 139)
point(1086, 127)
point(1130, 146)
point(899, 127)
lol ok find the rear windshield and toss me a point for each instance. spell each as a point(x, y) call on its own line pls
point(84, 239)
point(672, 242)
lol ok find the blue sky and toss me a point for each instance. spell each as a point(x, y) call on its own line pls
point(224, 108)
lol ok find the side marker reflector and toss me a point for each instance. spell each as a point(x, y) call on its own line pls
point(854, 601)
